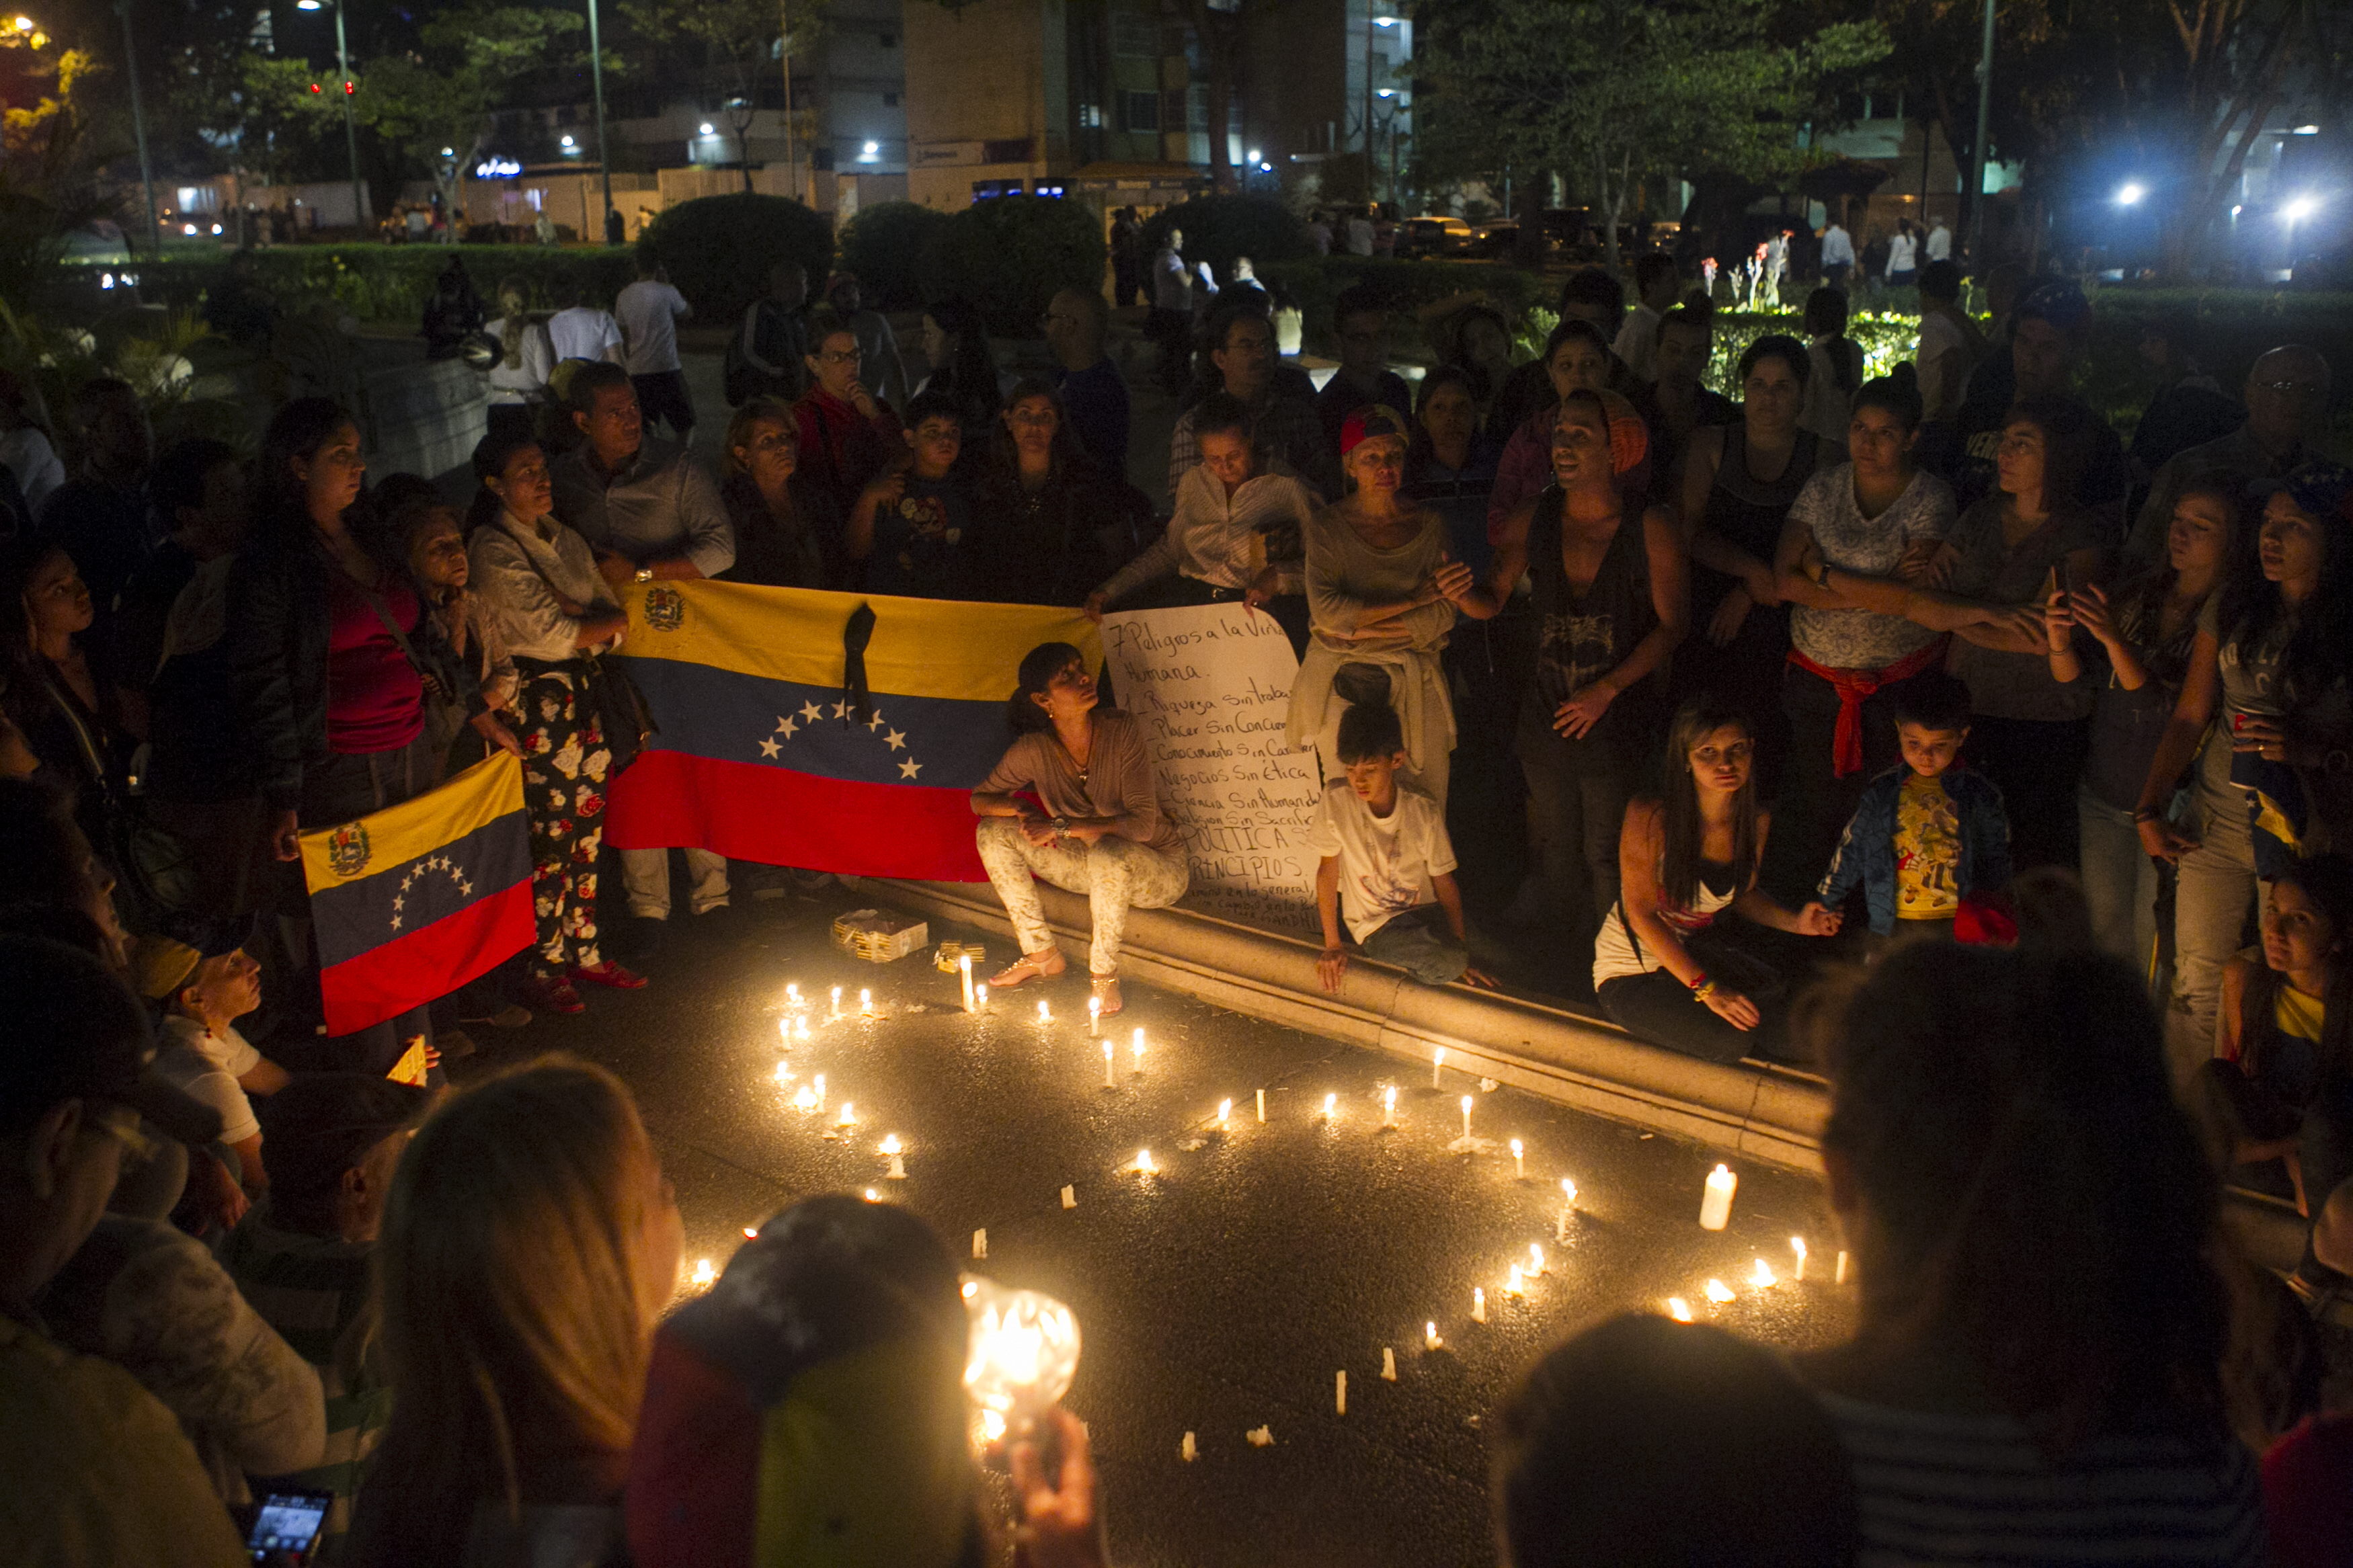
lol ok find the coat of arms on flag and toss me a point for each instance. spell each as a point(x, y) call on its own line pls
point(412, 901)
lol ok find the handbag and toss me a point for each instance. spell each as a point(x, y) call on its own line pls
point(622, 715)
point(154, 875)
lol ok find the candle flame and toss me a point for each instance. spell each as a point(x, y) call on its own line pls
point(1717, 1292)
point(1438, 1058)
point(1094, 1006)
point(1515, 1148)
point(785, 1027)
point(705, 1272)
point(806, 1100)
point(1763, 1277)
point(890, 1144)
point(872, 1196)
point(801, 1029)
point(1568, 1192)
point(1430, 1336)
point(751, 1232)
point(1106, 1052)
point(1045, 1014)
point(1679, 1310)
point(865, 1000)
point(1535, 1258)
point(1517, 1283)
point(1388, 1098)
point(1144, 1165)
point(820, 1086)
point(971, 1286)
point(980, 995)
point(1797, 1245)
point(992, 1425)
point(1331, 1104)
point(849, 1117)
point(1466, 1105)
point(793, 994)
point(784, 1073)
point(1225, 1109)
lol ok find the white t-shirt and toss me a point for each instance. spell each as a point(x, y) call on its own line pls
point(205, 1068)
point(584, 332)
point(1900, 252)
point(530, 375)
point(1940, 244)
point(1387, 864)
point(649, 312)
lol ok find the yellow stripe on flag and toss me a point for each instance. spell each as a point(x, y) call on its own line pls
point(920, 648)
point(488, 790)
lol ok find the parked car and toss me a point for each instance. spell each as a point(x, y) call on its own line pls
point(1432, 237)
point(1492, 240)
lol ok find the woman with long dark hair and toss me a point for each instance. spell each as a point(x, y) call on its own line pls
point(956, 345)
point(330, 651)
point(1685, 857)
point(1738, 483)
point(2146, 629)
point(1097, 827)
point(1051, 524)
point(55, 684)
point(1837, 360)
point(787, 529)
point(1577, 358)
point(2032, 1224)
point(2267, 682)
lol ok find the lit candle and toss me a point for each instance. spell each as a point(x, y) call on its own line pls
point(1567, 1208)
point(1094, 1015)
point(1797, 1245)
point(1715, 1205)
point(1262, 1107)
point(872, 1196)
point(784, 1073)
point(1144, 1165)
point(1762, 1276)
point(1045, 1014)
point(1389, 1364)
point(751, 1233)
point(705, 1274)
point(1340, 1393)
point(1186, 1450)
point(820, 1089)
point(980, 998)
point(1430, 1340)
point(1519, 1160)
point(1838, 1276)
point(1111, 1073)
point(1388, 1106)
point(980, 1243)
point(963, 968)
point(836, 1001)
point(849, 1117)
point(1716, 1290)
point(1679, 1310)
point(1437, 1065)
point(1516, 1283)
point(1477, 1304)
point(1535, 1261)
point(1466, 1117)
point(896, 1151)
point(806, 1100)
point(1331, 1105)
point(800, 1027)
point(1225, 1109)
point(1070, 1197)
point(792, 996)
point(784, 1029)
point(1135, 1044)
point(865, 1003)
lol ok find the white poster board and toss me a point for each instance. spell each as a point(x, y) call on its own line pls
point(1211, 686)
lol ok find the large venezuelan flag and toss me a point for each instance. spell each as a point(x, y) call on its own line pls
point(412, 901)
point(759, 756)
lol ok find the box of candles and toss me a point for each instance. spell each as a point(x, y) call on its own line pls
point(878, 938)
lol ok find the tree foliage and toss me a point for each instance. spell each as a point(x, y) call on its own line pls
point(746, 38)
point(1614, 92)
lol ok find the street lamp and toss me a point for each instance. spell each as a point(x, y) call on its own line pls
point(604, 164)
point(2130, 192)
point(2301, 208)
point(350, 128)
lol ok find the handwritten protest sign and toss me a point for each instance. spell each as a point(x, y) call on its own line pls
point(1212, 687)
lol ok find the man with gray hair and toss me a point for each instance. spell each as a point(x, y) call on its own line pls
point(2287, 405)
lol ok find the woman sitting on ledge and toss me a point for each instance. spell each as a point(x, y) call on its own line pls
point(1101, 831)
point(1660, 968)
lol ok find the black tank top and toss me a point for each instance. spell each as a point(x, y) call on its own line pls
point(1747, 510)
point(1582, 636)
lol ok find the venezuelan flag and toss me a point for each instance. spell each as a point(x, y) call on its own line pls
point(760, 752)
point(412, 901)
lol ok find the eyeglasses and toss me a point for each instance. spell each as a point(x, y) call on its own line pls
point(2293, 388)
point(838, 356)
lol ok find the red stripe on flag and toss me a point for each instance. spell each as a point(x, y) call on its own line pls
point(785, 818)
point(429, 963)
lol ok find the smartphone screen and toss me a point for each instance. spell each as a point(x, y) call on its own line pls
point(287, 1521)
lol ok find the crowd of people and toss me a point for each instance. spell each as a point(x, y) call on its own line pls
point(1626, 690)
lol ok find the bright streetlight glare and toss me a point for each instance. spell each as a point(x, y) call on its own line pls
point(2130, 194)
point(2301, 208)
point(309, 4)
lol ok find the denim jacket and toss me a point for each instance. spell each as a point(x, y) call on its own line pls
point(1866, 851)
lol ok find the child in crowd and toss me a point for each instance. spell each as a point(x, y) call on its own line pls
point(1387, 860)
point(909, 525)
point(204, 989)
point(1930, 838)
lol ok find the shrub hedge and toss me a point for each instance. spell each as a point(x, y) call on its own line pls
point(1009, 254)
point(884, 245)
point(384, 283)
point(1219, 228)
point(719, 249)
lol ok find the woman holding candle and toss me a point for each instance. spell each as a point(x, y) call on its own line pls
point(1381, 598)
point(1101, 833)
point(2041, 1320)
point(813, 1402)
point(1661, 966)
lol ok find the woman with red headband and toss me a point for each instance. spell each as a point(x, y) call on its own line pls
point(1612, 598)
point(1381, 596)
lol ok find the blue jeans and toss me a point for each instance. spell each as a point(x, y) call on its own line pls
point(1418, 943)
point(2120, 881)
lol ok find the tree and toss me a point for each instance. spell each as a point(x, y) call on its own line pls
point(1615, 92)
point(743, 37)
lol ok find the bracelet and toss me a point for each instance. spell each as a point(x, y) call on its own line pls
point(1699, 983)
point(1705, 992)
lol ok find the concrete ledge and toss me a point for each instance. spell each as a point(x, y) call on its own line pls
point(1758, 1112)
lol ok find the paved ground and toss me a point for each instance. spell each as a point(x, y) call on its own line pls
point(1224, 1293)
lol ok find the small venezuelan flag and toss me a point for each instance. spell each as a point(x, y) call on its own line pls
point(760, 752)
point(411, 902)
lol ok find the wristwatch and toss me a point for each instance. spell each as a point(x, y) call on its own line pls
point(1061, 825)
point(645, 574)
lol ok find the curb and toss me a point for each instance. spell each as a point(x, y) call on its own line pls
point(1755, 1111)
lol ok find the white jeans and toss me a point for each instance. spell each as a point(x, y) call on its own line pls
point(1116, 874)
point(2214, 888)
point(645, 876)
point(2119, 882)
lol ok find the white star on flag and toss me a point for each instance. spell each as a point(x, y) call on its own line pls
point(841, 710)
point(876, 722)
point(812, 712)
point(769, 747)
point(896, 740)
point(909, 768)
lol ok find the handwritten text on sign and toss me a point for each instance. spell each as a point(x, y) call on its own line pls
point(1212, 687)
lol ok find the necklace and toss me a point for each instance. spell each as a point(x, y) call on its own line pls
point(1077, 761)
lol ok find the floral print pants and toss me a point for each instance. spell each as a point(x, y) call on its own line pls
point(564, 761)
point(1116, 874)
